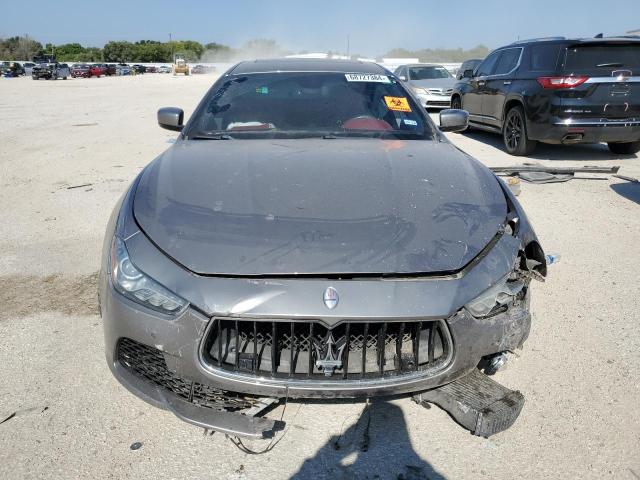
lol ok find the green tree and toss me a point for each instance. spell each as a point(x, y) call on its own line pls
point(19, 48)
point(119, 52)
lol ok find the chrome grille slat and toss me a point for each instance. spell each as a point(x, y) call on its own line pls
point(309, 350)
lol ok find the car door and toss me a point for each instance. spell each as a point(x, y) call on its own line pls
point(498, 84)
point(472, 98)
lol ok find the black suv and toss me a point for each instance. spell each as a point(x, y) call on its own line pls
point(557, 90)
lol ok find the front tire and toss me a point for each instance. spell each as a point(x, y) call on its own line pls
point(456, 103)
point(514, 133)
point(626, 148)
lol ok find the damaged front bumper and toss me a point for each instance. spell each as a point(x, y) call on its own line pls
point(221, 401)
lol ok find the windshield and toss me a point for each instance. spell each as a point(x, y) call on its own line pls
point(428, 73)
point(303, 104)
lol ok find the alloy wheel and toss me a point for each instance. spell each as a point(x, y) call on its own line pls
point(513, 131)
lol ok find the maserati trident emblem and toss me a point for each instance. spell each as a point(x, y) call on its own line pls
point(329, 353)
point(331, 298)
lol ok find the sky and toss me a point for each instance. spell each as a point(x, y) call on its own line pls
point(373, 27)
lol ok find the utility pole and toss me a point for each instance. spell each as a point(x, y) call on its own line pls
point(173, 60)
point(349, 56)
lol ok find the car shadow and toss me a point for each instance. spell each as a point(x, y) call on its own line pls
point(628, 190)
point(376, 446)
point(544, 151)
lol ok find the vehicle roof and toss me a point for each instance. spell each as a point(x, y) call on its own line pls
point(306, 65)
point(421, 65)
point(574, 41)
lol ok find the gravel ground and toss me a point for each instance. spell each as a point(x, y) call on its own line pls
point(69, 150)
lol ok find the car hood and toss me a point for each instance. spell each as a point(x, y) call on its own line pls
point(318, 207)
point(434, 83)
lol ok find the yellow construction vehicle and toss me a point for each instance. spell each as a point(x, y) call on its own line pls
point(180, 66)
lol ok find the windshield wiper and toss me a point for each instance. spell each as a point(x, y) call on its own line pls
point(215, 136)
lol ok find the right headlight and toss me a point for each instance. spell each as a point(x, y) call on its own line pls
point(137, 286)
point(492, 300)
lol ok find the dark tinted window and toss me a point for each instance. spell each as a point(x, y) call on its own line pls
point(602, 58)
point(486, 67)
point(311, 104)
point(508, 61)
point(543, 57)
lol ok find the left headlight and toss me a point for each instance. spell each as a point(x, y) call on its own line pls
point(137, 286)
point(420, 91)
point(496, 299)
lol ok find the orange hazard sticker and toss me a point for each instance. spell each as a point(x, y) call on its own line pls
point(399, 104)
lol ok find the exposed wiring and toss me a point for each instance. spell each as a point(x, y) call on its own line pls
point(365, 441)
point(243, 448)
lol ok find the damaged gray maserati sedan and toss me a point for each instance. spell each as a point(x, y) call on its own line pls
point(313, 234)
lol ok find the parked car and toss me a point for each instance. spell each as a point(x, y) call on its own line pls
point(107, 70)
point(79, 70)
point(96, 70)
point(164, 69)
point(150, 69)
point(198, 69)
point(139, 68)
point(28, 66)
point(559, 91)
point(372, 258)
point(467, 65)
point(12, 69)
point(50, 71)
point(433, 84)
point(123, 70)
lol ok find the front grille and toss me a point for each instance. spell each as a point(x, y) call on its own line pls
point(440, 91)
point(309, 350)
point(148, 363)
point(439, 103)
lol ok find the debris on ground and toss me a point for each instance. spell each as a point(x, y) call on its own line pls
point(628, 179)
point(544, 177)
point(79, 186)
point(533, 167)
point(22, 412)
point(537, 173)
point(552, 258)
point(514, 185)
point(8, 418)
point(136, 446)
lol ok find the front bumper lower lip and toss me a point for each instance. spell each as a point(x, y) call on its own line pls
point(222, 421)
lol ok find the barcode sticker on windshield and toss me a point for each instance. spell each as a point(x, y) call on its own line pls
point(366, 77)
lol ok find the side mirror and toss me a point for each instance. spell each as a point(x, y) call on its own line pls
point(171, 118)
point(403, 78)
point(454, 120)
point(467, 73)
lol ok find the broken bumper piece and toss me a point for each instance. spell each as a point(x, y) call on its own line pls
point(479, 404)
point(231, 423)
point(236, 423)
